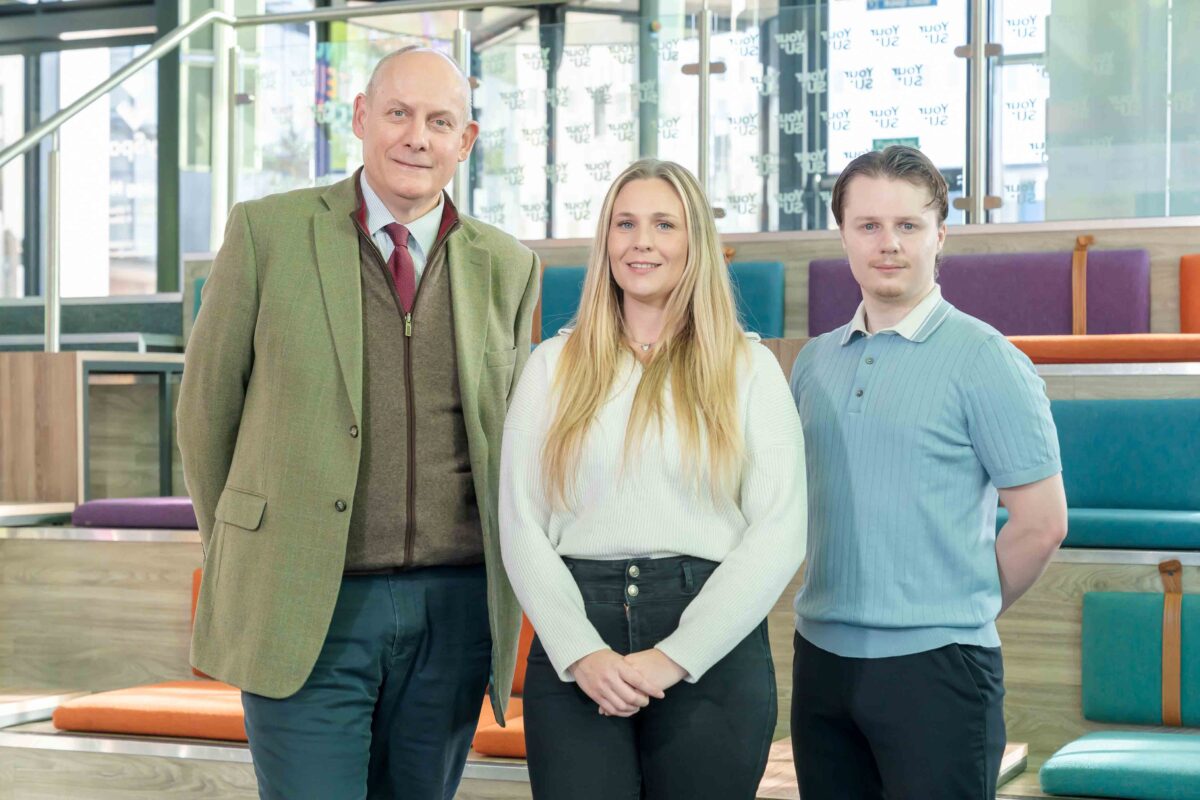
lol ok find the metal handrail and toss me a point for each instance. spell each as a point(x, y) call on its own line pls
point(53, 299)
point(156, 51)
point(172, 40)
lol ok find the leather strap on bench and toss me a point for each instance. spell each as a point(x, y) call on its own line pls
point(1172, 578)
point(1079, 285)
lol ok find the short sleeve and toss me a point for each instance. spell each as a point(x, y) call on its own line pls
point(1008, 416)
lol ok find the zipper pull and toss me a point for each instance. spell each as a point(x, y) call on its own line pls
point(408, 325)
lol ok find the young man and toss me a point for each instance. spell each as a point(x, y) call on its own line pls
point(340, 418)
point(914, 416)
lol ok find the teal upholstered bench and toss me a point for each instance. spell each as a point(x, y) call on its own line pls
point(1132, 658)
point(1134, 766)
point(1131, 473)
point(757, 286)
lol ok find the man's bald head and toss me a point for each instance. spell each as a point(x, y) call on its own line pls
point(421, 53)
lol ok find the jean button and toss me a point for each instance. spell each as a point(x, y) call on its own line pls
point(634, 571)
point(632, 591)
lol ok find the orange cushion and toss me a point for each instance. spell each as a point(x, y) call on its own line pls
point(508, 742)
point(197, 575)
point(1189, 294)
point(1109, 348)
point(188, 709)
point(523, 645)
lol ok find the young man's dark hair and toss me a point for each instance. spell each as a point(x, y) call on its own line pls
point(898, 162)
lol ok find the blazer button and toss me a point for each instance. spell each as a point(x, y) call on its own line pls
point(340, 505)
point(858, 392)
point(353, 431)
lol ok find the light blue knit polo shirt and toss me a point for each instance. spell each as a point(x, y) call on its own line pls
point(907, 438)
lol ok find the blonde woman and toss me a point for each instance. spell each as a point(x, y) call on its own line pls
point(652, 510)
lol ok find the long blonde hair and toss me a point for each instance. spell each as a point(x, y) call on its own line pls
point(698, 352)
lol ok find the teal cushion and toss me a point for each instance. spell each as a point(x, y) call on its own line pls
point(561, 289)
point(1122, 658)
point(1130, 453)
point(758, 288)
point(1128, 528)
point(1136, 766)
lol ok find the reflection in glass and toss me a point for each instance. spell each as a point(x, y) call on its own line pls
point(12, 179)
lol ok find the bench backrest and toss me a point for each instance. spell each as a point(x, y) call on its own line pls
point(758, 289)
point(1019, 294)
point(1139, 454)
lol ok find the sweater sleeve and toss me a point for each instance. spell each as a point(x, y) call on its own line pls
point(543, 584)
point(744, 588)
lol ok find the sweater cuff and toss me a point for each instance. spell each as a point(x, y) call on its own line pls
point(692, 662)
point(565, 656)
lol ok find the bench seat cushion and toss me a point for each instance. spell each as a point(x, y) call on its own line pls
point(507, 742)
point(136, 512)
point(1136, 766)
point(1128, 528)
point(183, 709)
point(1120, 348)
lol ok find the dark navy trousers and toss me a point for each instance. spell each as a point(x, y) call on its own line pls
point(391, 705)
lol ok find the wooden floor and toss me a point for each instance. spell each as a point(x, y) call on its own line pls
point(59, 766)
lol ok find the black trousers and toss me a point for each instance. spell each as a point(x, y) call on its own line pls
point(704, 741)
point(926, 726)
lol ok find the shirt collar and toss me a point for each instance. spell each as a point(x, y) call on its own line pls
point(424, 230)
point(913, 327)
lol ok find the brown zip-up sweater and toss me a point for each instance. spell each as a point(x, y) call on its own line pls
point(414, 505)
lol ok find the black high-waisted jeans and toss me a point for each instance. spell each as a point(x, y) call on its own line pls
point(705, 741)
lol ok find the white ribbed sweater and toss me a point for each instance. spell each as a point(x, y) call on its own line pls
point(651, 509)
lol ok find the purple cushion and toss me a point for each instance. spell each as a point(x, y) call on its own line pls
point(1019, 294)
point(136, 512)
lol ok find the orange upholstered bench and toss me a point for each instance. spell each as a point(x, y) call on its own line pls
point(509, 741)
point(204, 709)
point(1110, 348)
point(183, 709)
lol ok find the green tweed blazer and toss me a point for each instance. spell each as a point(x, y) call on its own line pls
point(267, 416)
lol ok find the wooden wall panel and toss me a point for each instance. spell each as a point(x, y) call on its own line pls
point(94, 615)
point(38, 455)
point(123, 436)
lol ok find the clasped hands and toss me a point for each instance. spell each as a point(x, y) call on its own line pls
point(623, 685)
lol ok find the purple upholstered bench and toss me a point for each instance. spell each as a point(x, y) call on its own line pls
point(136, 512)
point(1019, 294)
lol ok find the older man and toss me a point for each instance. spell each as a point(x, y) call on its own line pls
point(340, 419)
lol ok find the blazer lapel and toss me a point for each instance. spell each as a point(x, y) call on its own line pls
point(470, 293)
point(341, 283)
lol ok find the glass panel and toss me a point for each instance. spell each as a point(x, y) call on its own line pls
point(12, 179)
point(109, 154)
point(564, 108)
point(1093, 112)
point(123, 435)
point(830, 82)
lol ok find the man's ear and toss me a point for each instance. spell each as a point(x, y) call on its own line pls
point(359, 119)
point(470, 134)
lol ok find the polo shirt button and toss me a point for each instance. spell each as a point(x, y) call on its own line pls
point(634, 571)
point(870, 360)
point(858, 392)
point(340, 505)
point(632, 591)
point(353, 431)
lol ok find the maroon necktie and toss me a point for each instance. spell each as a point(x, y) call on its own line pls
point(401, 265)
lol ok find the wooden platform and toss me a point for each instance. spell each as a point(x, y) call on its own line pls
point(36, 760)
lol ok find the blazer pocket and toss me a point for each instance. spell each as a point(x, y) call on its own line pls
point(241, 509)
point(501, 358)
